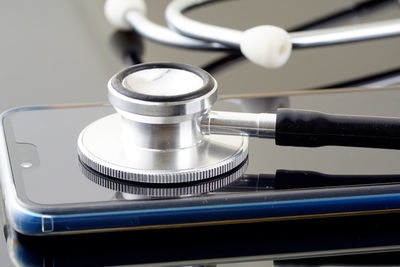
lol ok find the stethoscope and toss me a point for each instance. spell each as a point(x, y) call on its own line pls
point(165, 131)
point(268, 46)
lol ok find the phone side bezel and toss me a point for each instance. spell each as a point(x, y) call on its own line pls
point(19, 217)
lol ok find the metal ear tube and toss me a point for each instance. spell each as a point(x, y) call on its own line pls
point(236, 123)
point(164, 130)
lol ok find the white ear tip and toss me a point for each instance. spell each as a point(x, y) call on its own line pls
point(267, 46)
point(115, 11)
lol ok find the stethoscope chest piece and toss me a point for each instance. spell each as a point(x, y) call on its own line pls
point(155, 136)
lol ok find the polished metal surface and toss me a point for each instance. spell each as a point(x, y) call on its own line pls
point(236, 123)
point(102, 149)
point(160, 136)
point(346, 34)
point(230, 37)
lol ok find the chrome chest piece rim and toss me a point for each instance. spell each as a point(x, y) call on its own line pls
point(155, 135)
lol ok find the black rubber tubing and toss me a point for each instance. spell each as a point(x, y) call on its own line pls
point(313, 129)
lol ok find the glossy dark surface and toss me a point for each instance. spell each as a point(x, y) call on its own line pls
point(64, 52)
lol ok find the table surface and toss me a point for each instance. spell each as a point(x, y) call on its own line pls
point(57, 52)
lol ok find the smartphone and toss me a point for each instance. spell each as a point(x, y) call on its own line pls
point(47, 191)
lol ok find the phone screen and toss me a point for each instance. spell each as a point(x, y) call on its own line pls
point(42, 143)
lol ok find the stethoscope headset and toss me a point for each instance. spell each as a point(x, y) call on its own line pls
point(266, 45)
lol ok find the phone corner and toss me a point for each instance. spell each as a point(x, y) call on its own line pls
point(25, 221)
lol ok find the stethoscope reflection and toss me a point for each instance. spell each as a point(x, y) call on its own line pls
point(127, 47)
point(236, 181)
point(133, 190)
